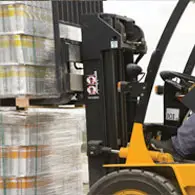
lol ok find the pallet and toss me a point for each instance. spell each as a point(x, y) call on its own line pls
point(25, 102)
point(22, 102)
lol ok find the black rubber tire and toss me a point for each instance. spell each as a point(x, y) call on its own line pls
point(147, 182)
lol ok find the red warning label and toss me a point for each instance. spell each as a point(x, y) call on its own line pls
point(92, 80)
point(92, 86)
point(92, 90)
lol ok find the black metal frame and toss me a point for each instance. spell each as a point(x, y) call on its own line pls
point(72, 10)
point(190, 63)
point(69, 12)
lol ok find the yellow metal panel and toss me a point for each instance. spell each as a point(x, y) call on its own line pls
point(137, 150)
point(138, 156)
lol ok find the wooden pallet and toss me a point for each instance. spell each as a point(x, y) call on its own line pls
point(25, 102)
point(22, 102)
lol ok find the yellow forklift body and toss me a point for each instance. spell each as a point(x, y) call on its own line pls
point(137, 156)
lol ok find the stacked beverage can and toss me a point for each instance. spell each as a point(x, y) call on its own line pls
point(27, 49)
point(23, 186)
point(32, 19)
point(40, 152)
point(23, 160)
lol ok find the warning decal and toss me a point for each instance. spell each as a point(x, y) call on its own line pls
point(91, 80)
point(92, 86)
point(91, 90)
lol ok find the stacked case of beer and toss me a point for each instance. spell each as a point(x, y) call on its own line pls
point(40, 149)
point(40, 152)
point(26, 48)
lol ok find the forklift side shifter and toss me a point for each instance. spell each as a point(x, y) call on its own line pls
point(95, 148)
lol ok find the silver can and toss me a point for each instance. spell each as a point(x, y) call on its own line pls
point(1, 19)
point(11, 186)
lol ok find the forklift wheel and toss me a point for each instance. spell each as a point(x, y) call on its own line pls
point(133, 182)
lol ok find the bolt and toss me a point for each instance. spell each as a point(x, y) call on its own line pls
point(144, 88)
point(142, 94)
point(91, 152)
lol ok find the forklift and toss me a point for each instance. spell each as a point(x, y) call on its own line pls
point(121, 160)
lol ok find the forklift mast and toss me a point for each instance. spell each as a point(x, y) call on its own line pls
point(110, 42)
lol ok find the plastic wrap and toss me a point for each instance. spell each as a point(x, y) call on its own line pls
point(23, 49)
point(31, 18)
point(40, 152)
point(27, 60)
point(22, 80)
point(41, 4)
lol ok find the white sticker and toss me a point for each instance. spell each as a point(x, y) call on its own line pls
point(70, 32)
point(92, 82)
point(172, 114)
point(114, 44)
